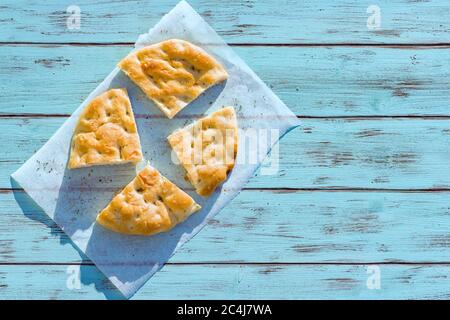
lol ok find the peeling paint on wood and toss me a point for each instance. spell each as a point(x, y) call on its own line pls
point(286, 21)
point(236, 282)
point(403, 154)
point(317, 81)
point(304, 227)
point(314, 244)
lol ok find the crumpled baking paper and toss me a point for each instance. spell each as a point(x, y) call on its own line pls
point(72, 198)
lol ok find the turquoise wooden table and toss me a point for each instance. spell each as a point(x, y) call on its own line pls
point(360, 207)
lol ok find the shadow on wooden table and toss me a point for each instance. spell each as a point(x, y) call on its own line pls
point(88, 273)
point(129, 259)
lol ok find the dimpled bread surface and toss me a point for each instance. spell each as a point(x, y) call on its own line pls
point(207, 149)
point(106, 132)
point(148, 205)
point(172, 73)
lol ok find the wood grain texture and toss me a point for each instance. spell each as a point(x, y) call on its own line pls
point(317, 82)
point(233, 282)
point(269, 227)
point(302, 22)
point(335, 153)
point(376, 117)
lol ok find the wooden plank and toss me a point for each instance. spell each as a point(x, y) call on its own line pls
point(336, 153)
point(285, 21)
point(318, 81)
point(233, 282)
point(263, 226)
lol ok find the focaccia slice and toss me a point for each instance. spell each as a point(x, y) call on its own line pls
point(172, 73)
point(147, 205)
point(106, 132)
point(207, 149)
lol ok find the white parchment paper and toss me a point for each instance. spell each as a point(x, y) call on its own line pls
point(72, 198)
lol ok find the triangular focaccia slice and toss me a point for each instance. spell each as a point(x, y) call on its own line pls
point(207, 149)
point(172, 73)
point(106, 132)
point(147, 205)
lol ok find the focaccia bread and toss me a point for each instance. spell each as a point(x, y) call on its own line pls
point(147, 205)
point(106, 132)
point(207, 149)
point(172, 73)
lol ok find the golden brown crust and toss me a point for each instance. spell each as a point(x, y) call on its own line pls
point(147, 205)
point(172, 73)
point(106, 132)
point(207, 149)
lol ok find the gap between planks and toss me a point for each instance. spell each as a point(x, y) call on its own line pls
point(298, 190)
point(237, 263)
point(355, 117)
point(418, 45)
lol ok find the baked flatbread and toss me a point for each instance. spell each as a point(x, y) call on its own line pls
point(172, 73)
point(147, 205)
point(207, 149)
point(106, 132)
